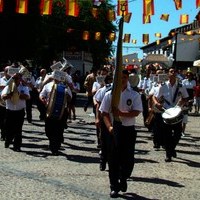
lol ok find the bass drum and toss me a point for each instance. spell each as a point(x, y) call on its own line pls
point(173, 115)
point(57, 102)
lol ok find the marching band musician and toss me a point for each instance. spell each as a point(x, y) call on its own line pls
point(54, 128)
point(15, 111)
point(3, 82)
point(123, 133)
point(174, 94)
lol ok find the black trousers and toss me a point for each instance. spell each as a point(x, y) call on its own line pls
point(40, 106)
point(121, 154)
point(13, 125)
point(172, 136)
point(2, 121)
point(29, 104)
point(54, 131)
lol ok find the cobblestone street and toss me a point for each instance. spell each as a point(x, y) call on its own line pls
point(35, 174)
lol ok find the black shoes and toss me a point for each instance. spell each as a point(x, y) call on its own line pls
point(168, 159)
point(174, 154)
point(17, 149)
point(114, 194)
point(6, 144)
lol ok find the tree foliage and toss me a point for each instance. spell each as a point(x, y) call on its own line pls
point(43, 38)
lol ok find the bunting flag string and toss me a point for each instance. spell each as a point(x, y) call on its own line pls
point(1, 5)
point(46, 7)
point(122, 6)
point(146, 19)
point(72, 8)
point(164, 17)
point(184, 19)
point(148, 7)
point(178, 4)
point(22, 6)
point(197, 3)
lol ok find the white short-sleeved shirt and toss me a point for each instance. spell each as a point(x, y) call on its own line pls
point(21, 104)
point(188, 84)
point(129, 100)
point(101, 93)
point(96, 86)
point(168, 91)
point(47, 90)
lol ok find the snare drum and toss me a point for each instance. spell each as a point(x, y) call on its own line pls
point(172, 115)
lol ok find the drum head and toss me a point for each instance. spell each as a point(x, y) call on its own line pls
point(171, 113)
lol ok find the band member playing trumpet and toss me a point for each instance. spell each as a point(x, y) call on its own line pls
point(174, 94)
point(54, 125)
point(15, 95)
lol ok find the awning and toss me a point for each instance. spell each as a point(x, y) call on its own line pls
point(196, 63)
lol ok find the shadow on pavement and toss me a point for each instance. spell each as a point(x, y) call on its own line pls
point(132, 196)
point(188, 162)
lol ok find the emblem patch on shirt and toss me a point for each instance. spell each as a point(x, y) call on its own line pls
point(129, 102)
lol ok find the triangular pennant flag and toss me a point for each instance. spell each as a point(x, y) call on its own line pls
point(111, 15)
point(184, 19)
point(122, 7)
point(22, 6)
point(127, 17)
point(197, 3)
point(146, 19)
point(178, 4)
point(46, 7)
point(1, 5)
point(164, 17)
point(148, 7)
point(134, 41)
point(72, 8)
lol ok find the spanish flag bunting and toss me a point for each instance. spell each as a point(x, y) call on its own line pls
point(146, 19)
point(148, 7)
point(169, 42)
point(86, 35)
point(157, 42)
point(145, 38)
point(46, 7)
point(97, 36)
point(112, 37)
point(158, 35)
point(164, 17)
point(111, 15)
point(134, 41)
point(197, 3)
point(127, 17)
point(178, 4)
point(184, 19)
point(127, 38)
point(122, 7)
point(94, 12)
point(22, 6)
point(1, 5)
point(72, 8)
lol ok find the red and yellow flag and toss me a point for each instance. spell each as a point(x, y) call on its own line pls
point(197, 3)
point(145, 38)
point(46, 7)
point(122, 7)
point(112, 37)
point(148, 7)
point(72, 8)
point(146, 19)
point(1, 5)
point(22, 6)
point(164, 17)
point(127, 17)
point(158, 35)
point(127, 38)
point(111, 15)
point(178, 4)
point(184, 19)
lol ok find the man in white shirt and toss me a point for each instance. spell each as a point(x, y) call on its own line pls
point(15, 110)
point(122, 147)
